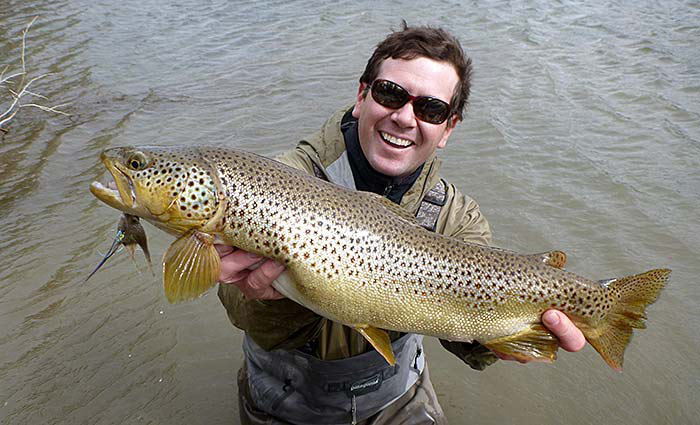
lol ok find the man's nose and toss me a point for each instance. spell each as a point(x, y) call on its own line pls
point(404, 116)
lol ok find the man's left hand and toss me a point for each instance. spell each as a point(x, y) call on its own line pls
point(570, 337)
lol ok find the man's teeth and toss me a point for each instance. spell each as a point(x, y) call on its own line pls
point(395, 140)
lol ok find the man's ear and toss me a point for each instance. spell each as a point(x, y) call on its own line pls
point(449, 126)
point(362, 91)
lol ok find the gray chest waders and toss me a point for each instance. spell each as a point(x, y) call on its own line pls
point(306, 390)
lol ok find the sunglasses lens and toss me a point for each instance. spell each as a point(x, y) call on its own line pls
point(431, 110)
point(389, 94)
point(392, 95)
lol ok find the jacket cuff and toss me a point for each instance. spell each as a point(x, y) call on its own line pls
point(271, 324)
point(472, 353)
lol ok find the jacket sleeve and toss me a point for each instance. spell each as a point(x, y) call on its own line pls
point(463, 220)
point(299, 157)
point(274, 324)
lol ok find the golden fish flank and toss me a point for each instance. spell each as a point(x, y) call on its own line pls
point(361, 260)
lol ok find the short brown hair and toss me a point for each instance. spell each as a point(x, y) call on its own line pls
point(432, 43)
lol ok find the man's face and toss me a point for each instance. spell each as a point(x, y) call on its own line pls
point(394, 141)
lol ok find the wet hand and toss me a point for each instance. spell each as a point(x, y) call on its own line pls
point(251, 273)
point(570, 337)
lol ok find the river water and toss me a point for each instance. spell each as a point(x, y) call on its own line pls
point(582, 134)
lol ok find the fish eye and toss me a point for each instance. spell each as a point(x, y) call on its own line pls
point(137, 161)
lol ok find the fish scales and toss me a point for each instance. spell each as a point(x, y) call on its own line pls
point(318, 230)
point(355, 257)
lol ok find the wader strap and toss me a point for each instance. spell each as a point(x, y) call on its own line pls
point(319, 173)
point(431, 205)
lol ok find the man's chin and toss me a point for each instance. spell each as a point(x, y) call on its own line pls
point(392, 167)
point(389, 160)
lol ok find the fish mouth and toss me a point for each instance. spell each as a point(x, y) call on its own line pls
point(112, 197)
point(124, 186)
point(119, 194)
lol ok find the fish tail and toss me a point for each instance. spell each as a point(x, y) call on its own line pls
point(633, 294)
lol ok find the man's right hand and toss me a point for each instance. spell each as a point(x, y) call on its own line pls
point(251, 273)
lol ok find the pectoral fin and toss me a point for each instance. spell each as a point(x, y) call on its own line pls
point(535, 343)
point(190, 267)
point(379, 340)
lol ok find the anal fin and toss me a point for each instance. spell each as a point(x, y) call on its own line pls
point(534, 343)
point(379, 340)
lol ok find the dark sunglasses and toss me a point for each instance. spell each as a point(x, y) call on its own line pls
point(426, 108)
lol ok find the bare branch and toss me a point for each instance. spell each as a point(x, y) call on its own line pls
point(3, 73)
point(46, 108)
point(40, 96)
point(9, 77)
point(10, 110)
point(21, 88)
point(24, 44)
point(9, 118)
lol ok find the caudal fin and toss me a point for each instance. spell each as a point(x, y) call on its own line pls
point(634, 294)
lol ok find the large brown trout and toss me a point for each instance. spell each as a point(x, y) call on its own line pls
point(358, 259)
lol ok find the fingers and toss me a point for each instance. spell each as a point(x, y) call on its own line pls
point(258, 284)
point(570, 337)
point(235, 263)
point(252, 273)
point(223, 249)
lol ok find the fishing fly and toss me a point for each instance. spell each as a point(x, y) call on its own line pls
point(130, 233)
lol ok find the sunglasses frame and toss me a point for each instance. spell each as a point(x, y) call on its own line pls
point(419, 102)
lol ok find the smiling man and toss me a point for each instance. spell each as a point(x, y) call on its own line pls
point(303, 369)
point(394, 140)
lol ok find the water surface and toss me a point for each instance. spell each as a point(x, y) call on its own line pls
point(582, 134)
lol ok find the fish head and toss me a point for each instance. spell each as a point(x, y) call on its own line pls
point(174, 188)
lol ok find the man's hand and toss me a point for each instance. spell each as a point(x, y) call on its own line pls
point(570, 337)
point(251, 273)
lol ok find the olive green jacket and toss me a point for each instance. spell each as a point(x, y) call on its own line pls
point(286, 324)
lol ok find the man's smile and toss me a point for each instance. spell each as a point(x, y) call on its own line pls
point(395, 141)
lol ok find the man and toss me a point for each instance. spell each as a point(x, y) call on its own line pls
point(301, 368)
